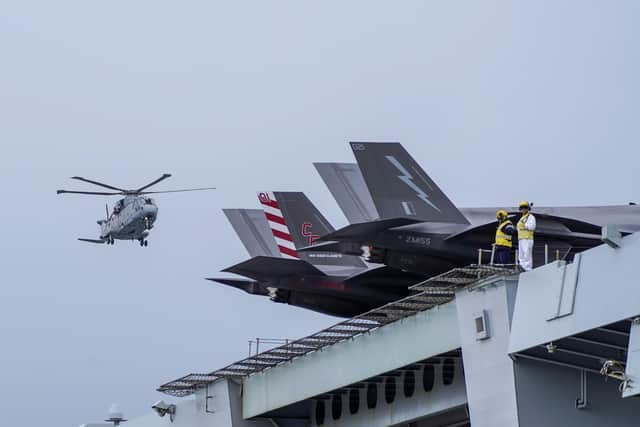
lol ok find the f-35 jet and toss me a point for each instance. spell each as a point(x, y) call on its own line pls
point(422, 231)
point(328, 282)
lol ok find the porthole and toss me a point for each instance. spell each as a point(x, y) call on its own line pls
point(336, 407)
point(409, 383)
point(428, 377)
point(372, 396)
point(390, 390)
point(320, 413)
point(448, 371)
point(354, 401)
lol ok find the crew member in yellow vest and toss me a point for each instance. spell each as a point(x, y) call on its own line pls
point(526, 228)
point(503, 244)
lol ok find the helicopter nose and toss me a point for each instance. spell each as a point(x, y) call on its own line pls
point(150, 211)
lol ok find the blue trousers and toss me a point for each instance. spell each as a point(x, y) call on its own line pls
point(502, 255)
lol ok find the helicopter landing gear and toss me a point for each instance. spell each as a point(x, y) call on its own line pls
point(144, 242)
point(109, 240)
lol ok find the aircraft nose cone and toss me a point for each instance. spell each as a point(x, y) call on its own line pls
point(150, 211)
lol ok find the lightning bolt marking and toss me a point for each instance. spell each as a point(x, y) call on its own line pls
point(407, 178)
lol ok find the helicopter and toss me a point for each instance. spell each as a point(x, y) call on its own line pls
point(133, 216)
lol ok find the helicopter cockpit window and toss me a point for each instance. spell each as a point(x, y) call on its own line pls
point(148, 201)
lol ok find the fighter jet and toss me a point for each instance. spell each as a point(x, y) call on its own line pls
point(347, 185)
point(420, 230)
point(327, 282)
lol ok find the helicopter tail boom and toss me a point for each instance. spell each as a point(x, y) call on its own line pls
point(98, 241)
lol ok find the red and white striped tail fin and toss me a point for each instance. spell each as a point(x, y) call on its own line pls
point(278, 225)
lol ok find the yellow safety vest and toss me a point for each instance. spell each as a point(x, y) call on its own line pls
point(523, 233)
point(502, 238)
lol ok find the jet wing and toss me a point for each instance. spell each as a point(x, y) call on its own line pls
point(547, 225)
point(249, 286)
point(327, 304)
point(365, 229)
point(263, 267)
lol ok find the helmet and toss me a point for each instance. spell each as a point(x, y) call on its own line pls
point(524, 204)
point(501, 215)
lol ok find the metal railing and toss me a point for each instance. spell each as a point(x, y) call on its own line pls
point(425, 295)
point(254, 344)
point(492, 252)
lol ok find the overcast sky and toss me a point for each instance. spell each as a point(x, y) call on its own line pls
point(498, 101)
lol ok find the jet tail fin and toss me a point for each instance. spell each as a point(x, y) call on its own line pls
point(253, 230)
point(400, 187)
point(297, 223)
point(347, 186)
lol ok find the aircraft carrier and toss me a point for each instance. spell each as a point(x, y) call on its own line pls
point(480, 346)
point(475, 344)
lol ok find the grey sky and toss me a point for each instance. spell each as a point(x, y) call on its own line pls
point(499, 101)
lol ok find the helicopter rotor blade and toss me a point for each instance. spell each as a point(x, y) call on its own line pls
point(178, 191)
point(110, 187)
point(94, 193)
point(162, 178)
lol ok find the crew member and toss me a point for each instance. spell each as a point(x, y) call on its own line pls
point(526, 227)
point(503, 244)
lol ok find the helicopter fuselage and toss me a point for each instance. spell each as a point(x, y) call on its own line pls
point(133, 216)
point(131, 219)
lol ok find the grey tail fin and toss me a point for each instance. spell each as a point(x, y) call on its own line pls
point(252, 228)
point(400, 187)
point(346, 184)
point(296, 223)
